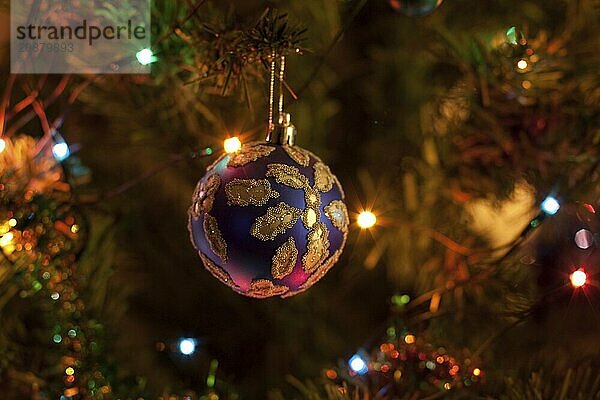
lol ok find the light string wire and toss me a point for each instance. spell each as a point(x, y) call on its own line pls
point(406, 319)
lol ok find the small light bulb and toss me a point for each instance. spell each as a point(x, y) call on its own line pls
point(6, 239)
point(232, 144)
point(476, 372)
point(187, 346)
point(584, 239)
point(366, 219)
point(145, 56)
point(61, 151)
point(522, 64)
point(358, 365)
point(578, 278)
point(2, 145)
point(550, 205)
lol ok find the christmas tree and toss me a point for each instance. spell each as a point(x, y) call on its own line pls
point(465, 136)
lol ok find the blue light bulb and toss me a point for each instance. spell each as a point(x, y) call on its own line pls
point(187, 346)
point(358, 364)
point(550, 205)
point(61, 151)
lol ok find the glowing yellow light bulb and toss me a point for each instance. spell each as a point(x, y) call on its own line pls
point(232, 145)
point(409, 339)
point(2, 145)
point(578, 278)
point(12, 222)
point(476, 372)
point(366, 219)
point(69, 371)
point(522, 64)
point(6, 239)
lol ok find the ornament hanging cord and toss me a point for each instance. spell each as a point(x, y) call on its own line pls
point(271, 125)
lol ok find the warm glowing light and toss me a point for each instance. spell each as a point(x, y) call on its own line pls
point(578, 278)
point(2, 145)
point(6, 239)
point(410, 339)
point(526, 85)
point(358, 365)
point(476, 372)
point(331, 374)
point(187, 346)
point(12, 222)
point(145, 56)
point(61, 151)
point(589, 207)
point(69, 371)
point(366, 219)
point(71, 392)
point(522, 64)
point(232, 145)
point(550, 205)
point(397, 375)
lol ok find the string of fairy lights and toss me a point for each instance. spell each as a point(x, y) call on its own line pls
point(359, 363)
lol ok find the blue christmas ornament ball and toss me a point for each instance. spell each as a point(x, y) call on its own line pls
point(268, 220)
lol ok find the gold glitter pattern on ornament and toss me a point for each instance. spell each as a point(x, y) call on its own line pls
point(312, 197)
point(297, 154)
point(217, 271)
point(214, 237)
point(337, 213)
point(204, 195)
point(277, 220)
point(284, 259)
point(287, 175)
point(245, 192)
point(309, 217)
point(323, 177)
point(317, 248)
point(262, 288)
point(322, 270)
point(249, 154)
point(313, 200)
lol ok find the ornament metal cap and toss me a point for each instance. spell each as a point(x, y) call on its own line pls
point(284, 132)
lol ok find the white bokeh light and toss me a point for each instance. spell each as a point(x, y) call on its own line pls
point(187, 346)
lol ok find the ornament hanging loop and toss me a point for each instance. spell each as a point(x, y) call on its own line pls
point(283, 132)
